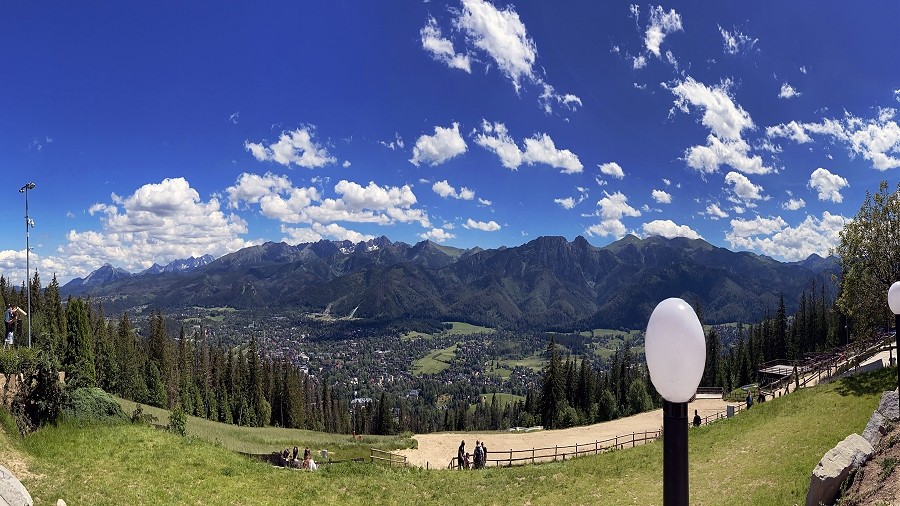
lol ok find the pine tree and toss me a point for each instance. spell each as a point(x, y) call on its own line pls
point(552, 395)
point(79, 355)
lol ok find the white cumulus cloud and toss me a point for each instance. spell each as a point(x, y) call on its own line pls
point(669, 229)
point(793, 204)
point(827, 184)
point(611, 209)
point(773, 236)
point(445, 190)
point(715, 212)
point(661, 197)
point(743, 188)
point(538, 149)
point(875, 139)
point(788, 91)
point(437, 235)
point(612, 169)
point(296, 147)
point(490, 226)
point(441, 49)
point(436, 149)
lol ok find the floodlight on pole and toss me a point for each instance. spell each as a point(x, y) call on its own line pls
point(894, 304)
point(675, 347)
point(29, 223)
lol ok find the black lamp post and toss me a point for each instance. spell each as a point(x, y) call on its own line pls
point(894, 303)
point(29, 223)
point(676, 355)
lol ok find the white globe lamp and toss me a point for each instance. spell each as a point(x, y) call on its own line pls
point(675, 347)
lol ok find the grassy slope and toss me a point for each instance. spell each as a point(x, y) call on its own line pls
point(762, 457)
point(259, 440)
point(434, 362)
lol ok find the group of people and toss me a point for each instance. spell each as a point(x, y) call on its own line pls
point(478, 460)
point(292, 459)
point(10, 318)
point(761, 398)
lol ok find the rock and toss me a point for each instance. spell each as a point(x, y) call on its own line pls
point(878, 426)
point(834, 468)
point(60, 502)
point(12, 492)
point(889, 406)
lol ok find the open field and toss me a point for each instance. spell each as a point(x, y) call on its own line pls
point(434, 362)
point(760, 457)
point(460, 328)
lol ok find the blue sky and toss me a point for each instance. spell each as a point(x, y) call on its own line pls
point(160, 131)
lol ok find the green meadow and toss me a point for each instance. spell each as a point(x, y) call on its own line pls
point(760, 457)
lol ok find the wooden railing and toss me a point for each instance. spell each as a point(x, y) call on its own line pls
point(391, 459)
point(507, 458)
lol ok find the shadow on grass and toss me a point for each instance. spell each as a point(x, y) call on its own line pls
point(871, 383)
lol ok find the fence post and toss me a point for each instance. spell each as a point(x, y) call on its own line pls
point(532, 455)
point(616, 446)
point(555, 448)
point(576, 450)
point(596, 447)
point(632, 439)
point(510, 456)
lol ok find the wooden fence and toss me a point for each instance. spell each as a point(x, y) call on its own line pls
point(388, 458)
point(507, 458)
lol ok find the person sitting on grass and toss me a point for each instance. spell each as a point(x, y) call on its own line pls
point(283, 458)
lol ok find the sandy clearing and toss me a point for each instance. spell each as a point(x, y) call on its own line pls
point(438, 449)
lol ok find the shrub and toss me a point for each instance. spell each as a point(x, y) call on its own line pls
point(38, 399)
point(92, 404)
point(139, 417)
point(178, 421)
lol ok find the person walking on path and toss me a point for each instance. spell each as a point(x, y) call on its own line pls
point(483, 455)
point(749, 399)
point(697, 420)
point(479, 456)
point(461, 454)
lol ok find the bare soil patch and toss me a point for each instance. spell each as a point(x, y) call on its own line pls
point(437, 450)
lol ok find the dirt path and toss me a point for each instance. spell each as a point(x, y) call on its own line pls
point(438, 449)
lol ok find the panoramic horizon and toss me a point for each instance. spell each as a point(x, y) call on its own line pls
point(159, 133)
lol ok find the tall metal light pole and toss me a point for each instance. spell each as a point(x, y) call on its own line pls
point(675, 348)
point(28, 224)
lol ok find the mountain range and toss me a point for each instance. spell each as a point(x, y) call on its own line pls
point(547, 283)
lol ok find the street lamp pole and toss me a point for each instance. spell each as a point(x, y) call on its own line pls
point(894, 303)
point(675, 347)
point(28, 224)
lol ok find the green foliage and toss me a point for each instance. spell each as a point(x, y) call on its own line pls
point(869, 252)
point(93, 405)
point(39, 393)
point(138, 416)
point(79, 353)
point(178, 421)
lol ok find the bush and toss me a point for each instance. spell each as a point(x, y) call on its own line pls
point(178, 421)
point(38, 399)
point(92, 404)
point(140, 418)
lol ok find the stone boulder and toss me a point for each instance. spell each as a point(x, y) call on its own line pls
point(834, 468)
point(889, 406)
point(12, 492)
point(877, 427)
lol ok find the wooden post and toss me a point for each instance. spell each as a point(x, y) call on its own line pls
point(532, 455)
point(616, 446)
point(510, 456)
point(596, 447)
point(632, 439)
point(555, 448)
point(576, 450)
